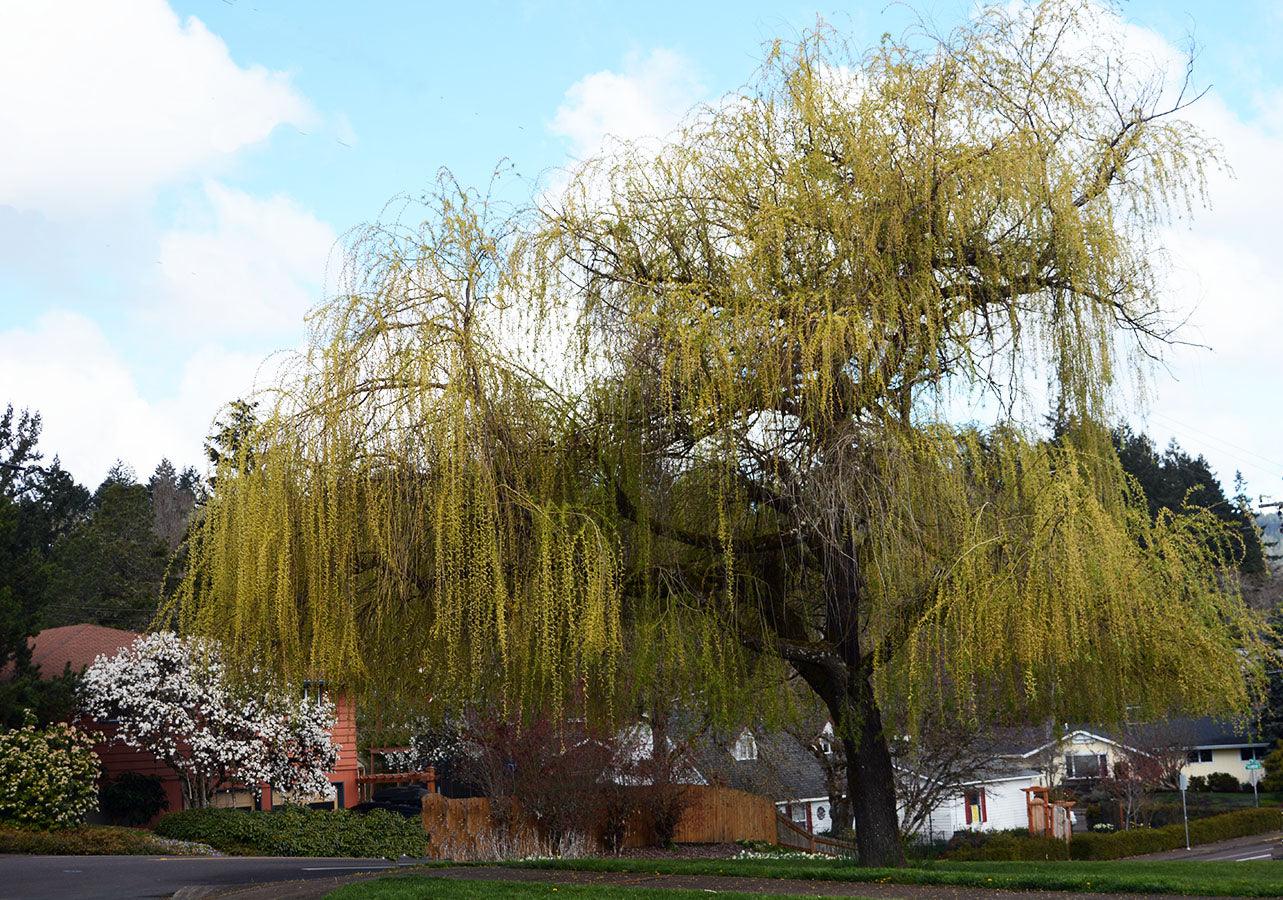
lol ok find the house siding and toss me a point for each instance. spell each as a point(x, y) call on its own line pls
point(117, 758)
point(814, 815)
point(1226, 760)
point(346, 770)
point(1086, 745)
point(1005, 807)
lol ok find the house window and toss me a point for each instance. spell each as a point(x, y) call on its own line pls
point(973, 802)
point(1199, 755)
point(1085, 765)
point(314, 691)
point(745, 747)
point(1246, 753)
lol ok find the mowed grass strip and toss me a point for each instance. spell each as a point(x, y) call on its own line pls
point(405, 887)
point(1262, 878)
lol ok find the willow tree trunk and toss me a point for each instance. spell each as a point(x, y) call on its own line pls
point(870, 782)
point(857, 719)
point(870, 778)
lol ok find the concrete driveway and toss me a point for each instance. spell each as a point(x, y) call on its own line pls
point(105, 877)
point(1259, 846)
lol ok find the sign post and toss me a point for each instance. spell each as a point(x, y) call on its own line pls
point(1184, 786)
point(1254, 767)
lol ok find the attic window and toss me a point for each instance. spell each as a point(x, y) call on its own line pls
point(825, 739)
point(745, 747)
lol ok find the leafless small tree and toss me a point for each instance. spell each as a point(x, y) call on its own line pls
point(1150, 759)
point(816, 735)
point(934, 763)
point(660, 775)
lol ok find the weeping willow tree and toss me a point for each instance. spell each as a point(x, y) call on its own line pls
point(694, 420)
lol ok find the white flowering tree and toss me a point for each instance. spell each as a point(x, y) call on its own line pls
point(172, 697)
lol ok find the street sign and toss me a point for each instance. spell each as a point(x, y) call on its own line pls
point(1252, 765)
point(1184, 782)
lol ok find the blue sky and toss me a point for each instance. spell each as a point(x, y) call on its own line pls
point(181, 173)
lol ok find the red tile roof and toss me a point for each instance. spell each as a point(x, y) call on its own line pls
point(77, 645)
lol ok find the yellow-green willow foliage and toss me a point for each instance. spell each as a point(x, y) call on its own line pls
point(405, 515)
point(1012, 575)
point(790, 300)
point(689, 419)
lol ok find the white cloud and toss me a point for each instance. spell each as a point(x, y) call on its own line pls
point(92, 407)
point(645, 100)
point(104, 101)
point(242, 265)
point(1227, 278)
point(104, 105)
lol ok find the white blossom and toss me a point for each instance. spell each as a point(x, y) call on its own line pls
point(171, 696)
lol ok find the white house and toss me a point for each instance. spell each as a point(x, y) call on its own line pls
point(994, 802)
point(1210, 745)
point(1217, 746)
point(782, 767)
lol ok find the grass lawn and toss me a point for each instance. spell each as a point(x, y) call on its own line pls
point(403, 887)
point(1262, 878)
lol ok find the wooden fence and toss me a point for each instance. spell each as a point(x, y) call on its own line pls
point(464, 829)
point(716, 815)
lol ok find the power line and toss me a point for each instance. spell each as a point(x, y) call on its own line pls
point(1220, 440)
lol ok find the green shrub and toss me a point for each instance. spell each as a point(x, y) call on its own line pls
point(1020, 845)
point(88, 840)
point(1016, 844)
point(298, 831)
point(1137, 841)
point(132, 798)
point(48, 777)
point(1223, 782)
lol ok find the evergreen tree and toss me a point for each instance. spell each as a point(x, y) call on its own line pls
point(1173, 478)
point(37, 504)
point(109, 568)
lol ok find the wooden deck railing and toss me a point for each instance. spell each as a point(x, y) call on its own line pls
point(366, 785)
point(790, 834)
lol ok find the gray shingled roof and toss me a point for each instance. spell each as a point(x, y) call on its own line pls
point(1198, 732)
point(785, 769)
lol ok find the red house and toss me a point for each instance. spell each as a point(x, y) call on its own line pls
point(79, 645)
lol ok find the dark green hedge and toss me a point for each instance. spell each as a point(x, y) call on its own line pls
point(298, 831)
point(1004, 845)
point(1240, 823)
point(1114, 845)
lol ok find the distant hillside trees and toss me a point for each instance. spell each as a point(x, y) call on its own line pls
point(68, 555)
point(1172, 478)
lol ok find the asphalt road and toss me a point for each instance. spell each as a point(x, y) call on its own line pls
point(107, 877)
point(1261, 846)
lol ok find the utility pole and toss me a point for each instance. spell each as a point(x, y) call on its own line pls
point(1277, 545)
